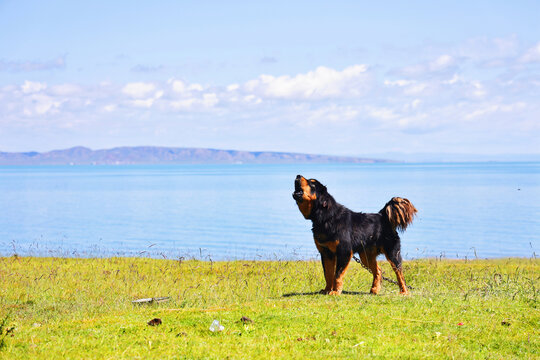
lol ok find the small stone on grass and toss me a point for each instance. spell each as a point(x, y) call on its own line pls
point(154, 322)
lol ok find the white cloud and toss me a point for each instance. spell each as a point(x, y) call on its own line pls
point(408, 87)
point(252, 99)
point(415, 121)
point(531, 55)
point(415, 103)
point(441, 63)
point(30, 87)
point(487, 49)
point(195, 87)
point(321, 83)
point(334, 114)
point(210, 100)
point(178, 86)
point(381, 113)
point(40, 104)
point(206, 101)
point(181, 87)
point(65, 89)
point(146, 103)
point(397, 82)
point(138, 89)
point(486, 109)
point(505, 46)
point(478, 89)
point(415, 89)
point(110, 107)
point(454, 80)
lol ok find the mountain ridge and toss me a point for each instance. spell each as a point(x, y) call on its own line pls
point(140, 155)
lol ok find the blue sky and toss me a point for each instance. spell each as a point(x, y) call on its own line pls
point(346, 77)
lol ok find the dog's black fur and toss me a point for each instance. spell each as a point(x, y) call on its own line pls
point(339, 232)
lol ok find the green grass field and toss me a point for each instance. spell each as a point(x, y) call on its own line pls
point(81, 308)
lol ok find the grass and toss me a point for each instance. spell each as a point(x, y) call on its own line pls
point(81, 308)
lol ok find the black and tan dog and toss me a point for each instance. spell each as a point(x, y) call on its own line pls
point(339, 232)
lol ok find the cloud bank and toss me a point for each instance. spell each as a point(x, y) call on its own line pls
point(451, 101)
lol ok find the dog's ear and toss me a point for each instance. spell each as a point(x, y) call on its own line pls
point(323, 195)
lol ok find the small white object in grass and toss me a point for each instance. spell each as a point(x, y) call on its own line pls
point(141, 301)
point(216, 326)
point(151, 300)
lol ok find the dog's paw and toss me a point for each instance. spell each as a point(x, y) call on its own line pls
point(374, 291)
point(335, 292)
point(324, 292)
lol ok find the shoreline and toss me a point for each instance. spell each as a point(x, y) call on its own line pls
point(209, 259)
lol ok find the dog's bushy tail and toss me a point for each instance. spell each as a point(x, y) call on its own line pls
point(400, 213)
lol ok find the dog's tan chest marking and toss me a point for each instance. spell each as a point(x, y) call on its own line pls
point(305, 208)
point(307, 198)
point(321, 241)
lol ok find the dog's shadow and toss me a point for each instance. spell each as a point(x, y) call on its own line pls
point(318, 293)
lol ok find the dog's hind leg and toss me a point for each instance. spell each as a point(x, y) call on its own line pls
point(369, 259)
point(394, 258)
point(342, 263)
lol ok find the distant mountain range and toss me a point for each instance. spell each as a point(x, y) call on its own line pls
point(167, 155)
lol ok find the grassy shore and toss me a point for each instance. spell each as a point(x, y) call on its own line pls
point(81, 308)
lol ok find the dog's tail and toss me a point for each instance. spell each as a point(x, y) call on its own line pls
point(399, 212)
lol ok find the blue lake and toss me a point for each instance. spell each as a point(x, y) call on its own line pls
point(222, 212)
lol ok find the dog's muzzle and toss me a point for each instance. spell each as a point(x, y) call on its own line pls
point(298, 192)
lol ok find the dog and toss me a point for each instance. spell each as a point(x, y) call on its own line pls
point(339, 233)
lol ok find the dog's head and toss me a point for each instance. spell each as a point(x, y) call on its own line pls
point(309, 194)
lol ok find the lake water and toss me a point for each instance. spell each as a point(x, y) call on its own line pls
point(247, 212)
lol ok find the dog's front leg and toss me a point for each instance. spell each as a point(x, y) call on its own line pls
point(329, 267)
point(343, 259)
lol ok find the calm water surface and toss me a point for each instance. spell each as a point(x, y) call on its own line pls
point(247, 212)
